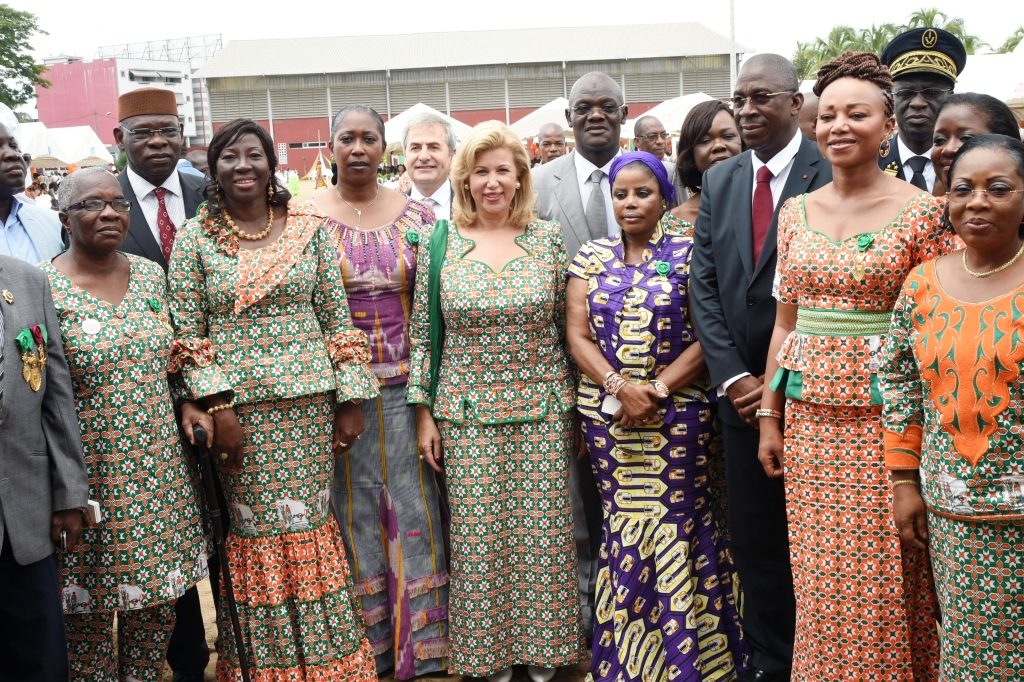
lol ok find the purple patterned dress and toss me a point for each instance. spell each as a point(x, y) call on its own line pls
point(665, 601)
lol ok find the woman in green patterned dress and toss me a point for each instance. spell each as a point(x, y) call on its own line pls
point(148, 548)
point(954, 403)
point(266, 342)
point(501, 414)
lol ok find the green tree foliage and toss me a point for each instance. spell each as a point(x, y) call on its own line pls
point(810, 56)
point(19, 72)
point(1011, 43)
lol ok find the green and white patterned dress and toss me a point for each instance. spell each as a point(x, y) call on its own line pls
point(271, 327)
point(504, 408)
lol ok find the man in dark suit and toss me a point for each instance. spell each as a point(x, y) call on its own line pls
point(43, 481)
point(731, 280)
point(924, 63)
point(149, 133)
point(162, 199)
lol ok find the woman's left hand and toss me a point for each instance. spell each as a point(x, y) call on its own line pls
point(348, 426)
point(192, 416)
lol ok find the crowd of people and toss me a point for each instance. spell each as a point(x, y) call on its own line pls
point(753, 413)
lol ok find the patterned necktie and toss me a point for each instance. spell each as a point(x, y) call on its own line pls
point(762, 210)
point(164, 225)
point(597, 216)
point(917, 164)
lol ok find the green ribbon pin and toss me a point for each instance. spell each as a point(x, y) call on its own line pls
point(662, 267)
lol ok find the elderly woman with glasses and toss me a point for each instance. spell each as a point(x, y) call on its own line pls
point(148, 548)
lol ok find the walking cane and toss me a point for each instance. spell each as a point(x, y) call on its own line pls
point(209, 474)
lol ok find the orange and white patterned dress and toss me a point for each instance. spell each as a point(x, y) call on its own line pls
point(865, 605)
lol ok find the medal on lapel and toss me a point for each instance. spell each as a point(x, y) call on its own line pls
point(31, 343)
point(8, 296)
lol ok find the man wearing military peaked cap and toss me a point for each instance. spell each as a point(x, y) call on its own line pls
point(924, 63)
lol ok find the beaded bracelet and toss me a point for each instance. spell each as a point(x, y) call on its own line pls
point(903, 481)
point(218, 408)
point(613, 383)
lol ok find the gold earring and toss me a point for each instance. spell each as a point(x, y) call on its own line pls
point(270, 191)
point(884, 149)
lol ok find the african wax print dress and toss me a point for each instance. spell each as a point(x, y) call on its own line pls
point(865, 606)
point(504, 408)
point(149, 548)
point(954, 405)
point(385, 498)
point(665, 608)
point(272, 328)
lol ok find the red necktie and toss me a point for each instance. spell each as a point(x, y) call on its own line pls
point(164, 225)
point(762, 210)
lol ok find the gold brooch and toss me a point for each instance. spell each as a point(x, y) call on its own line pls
point(8, 296)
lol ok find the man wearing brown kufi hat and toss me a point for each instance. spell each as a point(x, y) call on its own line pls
point(150, 134)
point(162, 199)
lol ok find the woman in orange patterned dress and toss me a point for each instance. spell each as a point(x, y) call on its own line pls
point(951, 376)
point(865, 606)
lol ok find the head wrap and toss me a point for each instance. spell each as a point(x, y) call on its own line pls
point(668, 192)
point(147, 102)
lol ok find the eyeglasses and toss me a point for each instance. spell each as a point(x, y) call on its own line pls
point(927, 93)
point(97, 205)
point(758, 99)
point(654, 137)
point(997, 194)
point(607, 108)
point(143, 134)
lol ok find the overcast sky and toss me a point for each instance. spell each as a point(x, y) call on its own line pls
point(761, 25)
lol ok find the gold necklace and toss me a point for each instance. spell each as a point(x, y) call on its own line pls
point(359, 213)
point(1002, 267)
point(251, 236)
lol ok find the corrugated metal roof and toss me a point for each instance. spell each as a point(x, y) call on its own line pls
point(346, 54)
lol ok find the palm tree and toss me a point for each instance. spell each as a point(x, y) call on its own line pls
point(875, 38)
point(807, 60)
point(931, 16)
point(927, 16)
point(1011, 43)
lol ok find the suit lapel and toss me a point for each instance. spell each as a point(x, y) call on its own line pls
point(801, 176)
point(138, 227)
point(742, 219)
point(11, 328)
point(567, 194)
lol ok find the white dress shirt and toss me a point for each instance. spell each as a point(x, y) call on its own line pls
point(779, 165)
point(908, 172)
point(440, 201)
point(150, 205)
point(584, 169)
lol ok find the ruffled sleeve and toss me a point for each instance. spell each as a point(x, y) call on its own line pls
point(418, 390)
point(347, 347)
point(789, 217)
point(192, 353)
point(901, 386)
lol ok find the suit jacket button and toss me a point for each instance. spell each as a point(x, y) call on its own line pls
point(751, 301)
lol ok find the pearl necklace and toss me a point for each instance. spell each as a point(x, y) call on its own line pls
point(1002, 267)
point(251, 236)
point(358, 212)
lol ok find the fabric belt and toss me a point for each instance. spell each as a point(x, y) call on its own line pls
point(834, 322)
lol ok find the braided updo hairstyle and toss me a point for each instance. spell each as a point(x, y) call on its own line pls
point(863, 66)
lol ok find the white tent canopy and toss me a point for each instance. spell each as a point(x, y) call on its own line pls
point(394, 127)
point(552, 112)
point(325, 168)
point(671, 113)
point(59, 147)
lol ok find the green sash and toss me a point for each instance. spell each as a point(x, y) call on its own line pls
point(438, 251)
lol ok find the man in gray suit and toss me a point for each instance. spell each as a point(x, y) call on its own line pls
point(731, 274)
point(573, 191)
point(43, 483)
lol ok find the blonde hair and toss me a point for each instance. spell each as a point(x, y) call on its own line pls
point(485, 137)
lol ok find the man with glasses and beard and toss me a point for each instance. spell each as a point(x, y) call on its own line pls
point(731, 274)
point(162, 199)
point(924, 63)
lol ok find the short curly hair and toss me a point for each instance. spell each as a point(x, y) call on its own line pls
point(863, 66)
